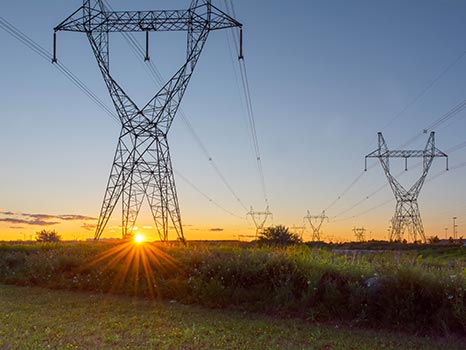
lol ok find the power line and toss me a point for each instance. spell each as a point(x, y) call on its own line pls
point(157, 77)
point(39, 50)
point(249, 106)
point(450, 150)
point(346, 190)
point(431, 178)
point(198, 190)
point(416, 98)
point(370, 195)
point(439, 121)
point(366, 211)
point(47, 56)
point(454, 111)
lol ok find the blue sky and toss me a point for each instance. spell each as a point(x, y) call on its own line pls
point(325, 77)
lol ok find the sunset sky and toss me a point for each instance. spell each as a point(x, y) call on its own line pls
point(325, 76)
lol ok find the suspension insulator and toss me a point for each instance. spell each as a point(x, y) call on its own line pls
point(54, 59)
point(241, 57)
point(147, 58)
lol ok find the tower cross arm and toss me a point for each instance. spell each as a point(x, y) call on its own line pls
point(147, 21)
point(407, 153)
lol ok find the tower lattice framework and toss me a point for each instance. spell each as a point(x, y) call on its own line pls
point(360, 233)
point(142, 167)
point(259, 218)
point(407, 217)
point(316, 221)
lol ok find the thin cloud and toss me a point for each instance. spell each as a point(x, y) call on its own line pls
point(75, 217)
point(14, 221)
point(40, 219)
point(29, 222)
point(67, 217)
point(216, 229)
point(43, 223)
point(88, 227)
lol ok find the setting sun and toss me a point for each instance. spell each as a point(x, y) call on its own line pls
point(139, 238)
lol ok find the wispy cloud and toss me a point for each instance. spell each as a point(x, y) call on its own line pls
point(40, 219)
point(75, 217)
point(88, 227)
point(216, 229)
point(29, 222)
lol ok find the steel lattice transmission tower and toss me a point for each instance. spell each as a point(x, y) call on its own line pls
point(407, 216)
point(142, 166)
point(297, 230)
point(360, 233)
point(259, 218)
point(316, 225)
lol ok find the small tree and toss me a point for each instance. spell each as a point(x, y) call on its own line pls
point(278, 236)
point(48, 236)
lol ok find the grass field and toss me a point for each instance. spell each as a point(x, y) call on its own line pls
point(36, 318)
point(419, 292)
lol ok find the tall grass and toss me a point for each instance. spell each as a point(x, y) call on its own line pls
point(388, 289)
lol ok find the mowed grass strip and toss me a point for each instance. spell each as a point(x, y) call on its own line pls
point(36, 318)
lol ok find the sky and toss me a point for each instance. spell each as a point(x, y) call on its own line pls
point(324, 75)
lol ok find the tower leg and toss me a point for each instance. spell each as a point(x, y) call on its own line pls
point(118, 179)
point(407, 218)
point(161, 189)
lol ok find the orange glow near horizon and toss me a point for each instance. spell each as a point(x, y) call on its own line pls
point(139, 238)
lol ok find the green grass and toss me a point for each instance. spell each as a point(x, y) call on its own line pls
point(36, 318)
point(407, 292)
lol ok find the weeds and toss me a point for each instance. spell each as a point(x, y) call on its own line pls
point(395, 290)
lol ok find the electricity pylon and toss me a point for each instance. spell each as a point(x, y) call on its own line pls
point(407, 216)
point(360, 233)
point(318, 221)
point(142, 166)
point(259, 218)
point(297, 230)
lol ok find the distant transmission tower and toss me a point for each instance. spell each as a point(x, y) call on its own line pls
point(142, 166)
point(297, 230)
point(316, 222)
point(360, 233)
point(259, 218)
point(407, 216)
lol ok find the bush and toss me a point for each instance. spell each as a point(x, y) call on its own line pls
point(383, 290)
point(48, 236)
point(278, 236)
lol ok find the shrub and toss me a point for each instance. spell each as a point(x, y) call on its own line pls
point(383, 290)
point(48, 236)
point(278, 236)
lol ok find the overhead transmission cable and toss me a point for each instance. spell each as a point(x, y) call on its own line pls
point(439, 121)
point(455, 110)
point(38, 49)
point(346, 190)
point(185, 179)
point(416, 98)
point(248, 103)
point(367, 210)
point(418, 164)
point(433, 177)
point(158, 79)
